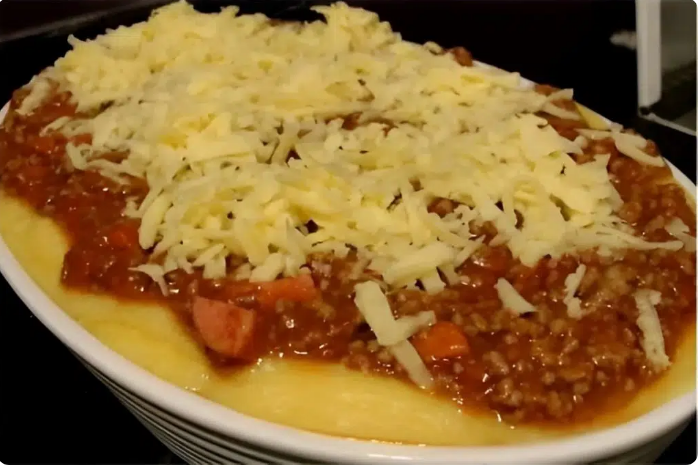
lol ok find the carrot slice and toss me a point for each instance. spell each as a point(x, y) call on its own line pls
point(294, 289)
point(443, 340)
point(225, 328)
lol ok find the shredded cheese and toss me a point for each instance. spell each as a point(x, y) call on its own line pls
point(572, 282)
point(628, 145)
point(374, 306)
point(594, 134)
point(411, 325)
point(680, 231)
point(560, 112)
point(450, 273)
point(54, 125)
point(243, 272)
point(653, 342)
point(237, 126)
point(407, 356)
point(419, 263)
point(156, 273)
point(40, 88)
point(511, 299)
point(561, 94)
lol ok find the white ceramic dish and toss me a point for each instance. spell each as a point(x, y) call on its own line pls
point(202, 432)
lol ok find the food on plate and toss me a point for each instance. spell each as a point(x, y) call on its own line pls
point(289, 217)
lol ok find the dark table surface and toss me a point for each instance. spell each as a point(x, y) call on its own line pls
point(52, 411)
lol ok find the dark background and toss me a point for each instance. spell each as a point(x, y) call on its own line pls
point(52, 411)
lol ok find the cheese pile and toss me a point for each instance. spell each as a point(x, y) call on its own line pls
point(237, 125)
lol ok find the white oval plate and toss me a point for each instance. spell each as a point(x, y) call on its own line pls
point(269, 436)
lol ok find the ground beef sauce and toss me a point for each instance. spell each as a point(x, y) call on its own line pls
point(541, 367)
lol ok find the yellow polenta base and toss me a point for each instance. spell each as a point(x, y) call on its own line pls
point(322, 398)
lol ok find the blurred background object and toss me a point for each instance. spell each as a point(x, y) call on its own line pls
point(590, 45)
point(667, 61)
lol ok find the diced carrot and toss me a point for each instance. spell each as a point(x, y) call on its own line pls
point(294, 289)
point(225, 328)
point(124, 235)
point(443, 340)
point(267, 294)
point(241, 288)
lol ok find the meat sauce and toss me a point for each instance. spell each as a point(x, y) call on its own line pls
point(541, 367)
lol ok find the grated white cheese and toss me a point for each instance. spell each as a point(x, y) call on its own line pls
point(420, 264)
point(54, 125)
point(560, 112)
point(76, 156)
point(511, 299)
point(432, 283)
point(156, 273)
point(581, 141)
point(411, 325)
point(407, 356)
point(269, 270)
point(653, 342)
point(561, 94)
point(572, 282)
point(40, 88)
point(243, 272)
point(358, 268)
point(680, 231)
point(151, 221)
point(594, 134)
point(374, 306)
point(210, 107)
point(450, 273)
point(629, 145)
